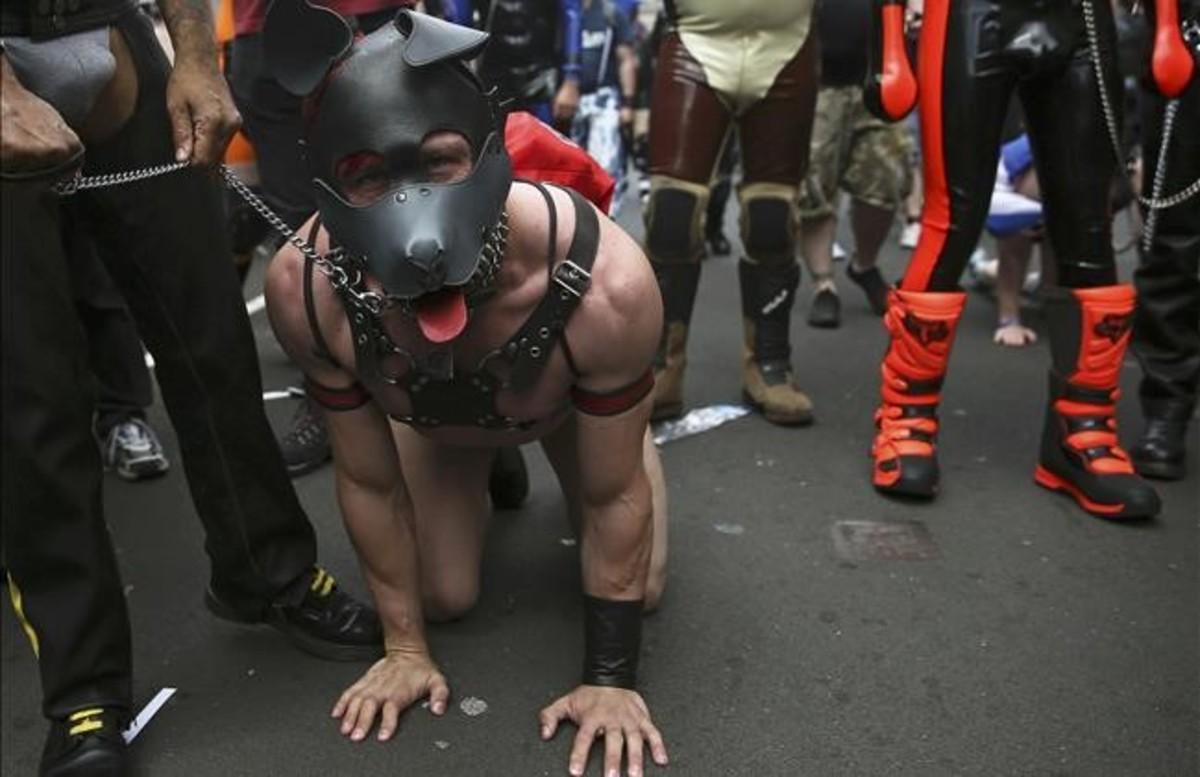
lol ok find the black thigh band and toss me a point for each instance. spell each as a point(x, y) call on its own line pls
point(612, 634)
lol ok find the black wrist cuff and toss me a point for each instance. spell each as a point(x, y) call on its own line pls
point(627, 101)
point(612, 636)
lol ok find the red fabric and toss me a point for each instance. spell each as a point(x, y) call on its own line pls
point(249, 15)
point(614, 402)
point(539, 153)
point(935, 216)
point(339, 399)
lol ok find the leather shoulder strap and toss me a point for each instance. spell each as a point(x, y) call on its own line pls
point(569, 281)
point(321, 348)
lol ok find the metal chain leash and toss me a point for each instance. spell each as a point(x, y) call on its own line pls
point(80, 183)
point(339, 276)
point(1191, 33)
point(1160, 174)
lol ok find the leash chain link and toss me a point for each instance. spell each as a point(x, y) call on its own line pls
point(1191, 33)
point(330, 264)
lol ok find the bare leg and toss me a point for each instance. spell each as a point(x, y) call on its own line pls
point(916, 197)
point(816, 245)
point(448, 486)
point(1014, 252)
point(871, 225)
point(561, 450)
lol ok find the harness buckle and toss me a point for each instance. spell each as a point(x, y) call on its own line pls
point(573, 278)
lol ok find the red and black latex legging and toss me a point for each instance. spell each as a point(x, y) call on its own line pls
point(972, 55)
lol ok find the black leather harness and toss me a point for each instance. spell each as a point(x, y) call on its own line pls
point(443, 397)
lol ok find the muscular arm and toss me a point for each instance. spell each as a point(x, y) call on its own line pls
point(613, 336)
point(377, 511)
point(370, 487)
point(623, 320)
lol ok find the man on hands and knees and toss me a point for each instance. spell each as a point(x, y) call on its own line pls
point(446, 312)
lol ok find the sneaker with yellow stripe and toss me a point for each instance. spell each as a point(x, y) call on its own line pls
point(87, 743)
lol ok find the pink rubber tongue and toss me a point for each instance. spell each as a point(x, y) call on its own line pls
point(442, 315)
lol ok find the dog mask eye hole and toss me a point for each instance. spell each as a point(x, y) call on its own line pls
point(362, 176)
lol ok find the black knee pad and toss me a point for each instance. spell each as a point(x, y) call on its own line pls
point(769, 230)
point(672, 225)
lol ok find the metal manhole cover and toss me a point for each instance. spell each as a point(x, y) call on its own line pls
point(884, 541)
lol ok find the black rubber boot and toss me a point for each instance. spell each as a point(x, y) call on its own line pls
point(1080, 454)
point(922, 327)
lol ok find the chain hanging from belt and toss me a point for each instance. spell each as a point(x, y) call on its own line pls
point(332, 265)
point(1156, 202)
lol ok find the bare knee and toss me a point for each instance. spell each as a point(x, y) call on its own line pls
point(447, 600)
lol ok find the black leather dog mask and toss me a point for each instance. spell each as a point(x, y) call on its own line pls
point(385, 94)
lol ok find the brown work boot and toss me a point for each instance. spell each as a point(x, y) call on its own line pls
point(668, 373)
point(768, 292)
point(770, 387)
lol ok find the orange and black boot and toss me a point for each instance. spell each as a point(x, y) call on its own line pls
point(1080, 456)
point(922, 325)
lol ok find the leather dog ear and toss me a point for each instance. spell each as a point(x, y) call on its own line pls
point(301, 42)
point(429, 39)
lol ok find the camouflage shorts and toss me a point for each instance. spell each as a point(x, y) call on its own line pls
point(856, 152)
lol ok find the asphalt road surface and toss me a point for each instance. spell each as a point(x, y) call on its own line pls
point(1008, 633)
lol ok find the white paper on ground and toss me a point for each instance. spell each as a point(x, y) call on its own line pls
point(291, 392)
point(702, 419)
point(148, 712)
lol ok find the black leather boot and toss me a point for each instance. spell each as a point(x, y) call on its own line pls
point(87, 743)
point(314, 614)
point(1161, 451)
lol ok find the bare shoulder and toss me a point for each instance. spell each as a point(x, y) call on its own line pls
point(616, 330)
point(284, 292)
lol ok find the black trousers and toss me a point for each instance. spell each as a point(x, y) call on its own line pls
point(973, 55)
point(122, 380)
point(164, 243)
point(1166, 331)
